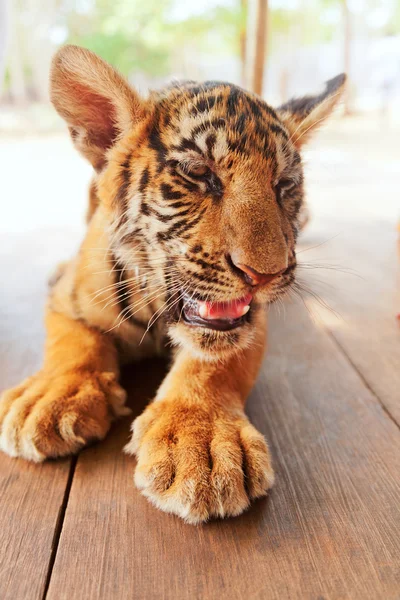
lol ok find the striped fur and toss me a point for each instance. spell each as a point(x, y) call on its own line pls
point(183, 181)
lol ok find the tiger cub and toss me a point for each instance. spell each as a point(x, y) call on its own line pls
point(191, 232)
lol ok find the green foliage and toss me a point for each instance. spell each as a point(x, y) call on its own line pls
point(149, 36)
point(129, 34)
point(140, 34)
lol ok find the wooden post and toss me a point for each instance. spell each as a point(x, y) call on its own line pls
point(256, 44)
point(261, 42)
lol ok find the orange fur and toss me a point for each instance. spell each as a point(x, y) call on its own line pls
point(188, 184)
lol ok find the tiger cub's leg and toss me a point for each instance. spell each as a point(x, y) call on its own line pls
point(71, 401)
point(198, 455)
point(74, 397)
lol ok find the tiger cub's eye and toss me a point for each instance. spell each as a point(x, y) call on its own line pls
point(284, 185)
point(198, 171)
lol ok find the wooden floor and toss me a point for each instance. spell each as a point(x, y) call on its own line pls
point(327, 399)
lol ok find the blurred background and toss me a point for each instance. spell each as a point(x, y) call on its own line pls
point(277, 48)
point(335, 335)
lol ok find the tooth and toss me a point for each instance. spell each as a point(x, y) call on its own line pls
point(245, 310)
point(203, 312)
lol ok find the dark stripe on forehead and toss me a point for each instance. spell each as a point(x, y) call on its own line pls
point(200, 106)
point(219, 123)
point(213, 125)
point(239, 146)
point(187, 145)
point(260, 109)
point(210, 143)
point(241, 123)
point(263, 134)
point(254, 107)
point(203, 104)
point(232, 102)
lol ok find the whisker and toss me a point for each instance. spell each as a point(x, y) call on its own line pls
point(328, 267)
point(167, 307)
point(302, 287)
point(319, 245)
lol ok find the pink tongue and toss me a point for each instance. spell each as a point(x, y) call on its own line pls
point(234, 309)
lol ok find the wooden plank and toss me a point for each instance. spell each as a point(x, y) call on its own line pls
point(31, 496)
point(328, 530)
point(367, 299)
point(352, 176)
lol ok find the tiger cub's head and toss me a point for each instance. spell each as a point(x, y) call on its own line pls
point(203, 184)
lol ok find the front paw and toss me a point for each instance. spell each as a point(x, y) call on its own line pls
point(197, 462)
point(48, 416)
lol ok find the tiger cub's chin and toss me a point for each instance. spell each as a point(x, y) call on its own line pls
point(215, 341)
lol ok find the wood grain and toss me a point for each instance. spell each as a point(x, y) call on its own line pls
point(364, 289)
point(31, 496)
point(352, 185)
point(327, 400)
point(328, 530)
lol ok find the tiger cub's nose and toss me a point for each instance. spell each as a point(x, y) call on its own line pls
point(252, 276)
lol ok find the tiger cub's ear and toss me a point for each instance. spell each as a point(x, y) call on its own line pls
point(95, 101)
point(303, 115)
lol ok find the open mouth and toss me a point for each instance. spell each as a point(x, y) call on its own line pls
point(220, 316)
